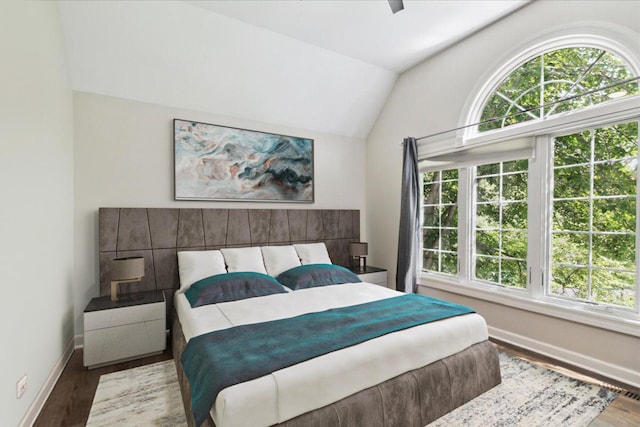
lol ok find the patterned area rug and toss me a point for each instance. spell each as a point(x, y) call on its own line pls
point(144, 396)
point(529, 396)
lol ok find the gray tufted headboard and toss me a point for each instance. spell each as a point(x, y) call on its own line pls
point(157, 234)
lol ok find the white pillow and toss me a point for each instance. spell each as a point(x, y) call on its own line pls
point(313, 253)
point(196, 265)
point(278, 259)
point(244, 259)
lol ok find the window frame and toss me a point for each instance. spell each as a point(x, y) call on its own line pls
point(549, 200)
point(501, 203)
point(504, 67)
point(535, 298)
point(424, 227)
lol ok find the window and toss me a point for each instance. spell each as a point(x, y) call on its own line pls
point(594, 215)
point(554, 221)
point(501, 223)
point(555, 82)
point(440, 232)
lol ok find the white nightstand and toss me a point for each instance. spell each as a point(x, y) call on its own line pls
point(124, 330)
point(371, 274)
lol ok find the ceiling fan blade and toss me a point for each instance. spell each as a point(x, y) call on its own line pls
point(396, 5)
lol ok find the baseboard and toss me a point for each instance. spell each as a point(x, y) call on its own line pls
point(47, 387)
point(615, 372)
point(79, 341)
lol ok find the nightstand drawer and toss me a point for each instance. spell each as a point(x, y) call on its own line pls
point(124, 329)
point(123, 316)
point(371, 274)
point(122, 342)
point(379, 277)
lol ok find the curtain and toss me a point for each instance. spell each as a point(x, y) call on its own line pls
point(409, 219)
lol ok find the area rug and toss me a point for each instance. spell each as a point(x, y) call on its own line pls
point(529, 396)
point(145, 396)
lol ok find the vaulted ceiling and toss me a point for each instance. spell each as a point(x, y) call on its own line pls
point(321, 65)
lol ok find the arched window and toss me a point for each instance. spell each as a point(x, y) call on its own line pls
point(539, 198)
point(556, 82)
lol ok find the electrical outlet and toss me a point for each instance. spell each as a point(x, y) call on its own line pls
point(21, 387)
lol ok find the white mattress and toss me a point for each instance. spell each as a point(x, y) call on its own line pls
point(318, 382)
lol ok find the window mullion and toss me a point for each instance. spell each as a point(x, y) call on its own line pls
point(500, 225)
point(465, 224)
point(539, 193)
point(440, 207)
point(541, 113)
point(591, 195)
point(637, 293)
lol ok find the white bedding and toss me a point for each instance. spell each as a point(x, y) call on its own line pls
point(318, 382)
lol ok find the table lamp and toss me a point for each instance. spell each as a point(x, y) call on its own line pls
point(358, 250)
point(125, 270)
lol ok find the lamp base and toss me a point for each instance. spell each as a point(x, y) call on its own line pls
point(114, 290)
point(359, 262)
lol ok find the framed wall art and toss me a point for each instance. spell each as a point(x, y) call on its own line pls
point(215, 162)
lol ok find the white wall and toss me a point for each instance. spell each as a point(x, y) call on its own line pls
point(433, 96)
point(36, 218)
point(124, 158)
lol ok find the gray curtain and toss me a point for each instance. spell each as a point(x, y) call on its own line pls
point(409, 219)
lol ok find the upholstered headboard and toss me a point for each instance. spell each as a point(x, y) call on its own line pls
point(157, 234)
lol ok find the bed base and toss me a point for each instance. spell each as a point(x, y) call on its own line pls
point(412, 399)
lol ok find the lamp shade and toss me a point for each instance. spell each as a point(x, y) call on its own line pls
point(358, 248)
point(127, 268)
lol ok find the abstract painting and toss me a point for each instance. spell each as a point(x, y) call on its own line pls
point(215, 162)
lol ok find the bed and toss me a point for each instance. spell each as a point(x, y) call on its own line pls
point(411, 398)
point(407, 376)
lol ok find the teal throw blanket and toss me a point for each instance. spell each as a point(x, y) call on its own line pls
point(220, 359)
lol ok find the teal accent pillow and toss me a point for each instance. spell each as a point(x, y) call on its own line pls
point(232, 287)
point(312, 275)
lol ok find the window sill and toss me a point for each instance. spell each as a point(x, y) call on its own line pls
point(583, 315)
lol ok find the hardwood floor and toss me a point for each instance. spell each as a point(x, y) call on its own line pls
point(70, 401)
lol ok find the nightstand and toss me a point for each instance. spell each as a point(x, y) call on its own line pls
point(124, 330)
point(371, 274)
